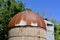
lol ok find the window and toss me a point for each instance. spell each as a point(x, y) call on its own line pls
point(49, 24)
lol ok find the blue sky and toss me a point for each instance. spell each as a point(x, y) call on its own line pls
point(51, 8)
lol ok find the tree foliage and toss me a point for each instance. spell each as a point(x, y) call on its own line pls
point(56, 29)
point(57, 32)
point(8, 8)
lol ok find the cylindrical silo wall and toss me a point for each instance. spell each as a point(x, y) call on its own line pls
point(27, 33)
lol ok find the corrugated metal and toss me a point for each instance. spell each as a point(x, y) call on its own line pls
point(27, 18)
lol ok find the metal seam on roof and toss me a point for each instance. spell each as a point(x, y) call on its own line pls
point(27, 16)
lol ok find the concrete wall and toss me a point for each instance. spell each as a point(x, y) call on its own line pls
point(28, 33)
point(50, 30)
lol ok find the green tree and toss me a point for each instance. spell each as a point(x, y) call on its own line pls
point(8, 8)
point(57, 32)
point(56, 29)
point(29, 9)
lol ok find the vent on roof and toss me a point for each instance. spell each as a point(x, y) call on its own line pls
point(45, 19)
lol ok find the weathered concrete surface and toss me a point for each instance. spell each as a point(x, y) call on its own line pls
point(28, 33)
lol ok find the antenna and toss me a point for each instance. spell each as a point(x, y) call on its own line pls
point(43, 13)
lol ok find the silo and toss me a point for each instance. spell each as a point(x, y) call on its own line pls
point(27, 25)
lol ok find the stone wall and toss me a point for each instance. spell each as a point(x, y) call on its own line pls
point(27, 33)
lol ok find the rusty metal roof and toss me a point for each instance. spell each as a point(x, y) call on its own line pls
point(27, 18)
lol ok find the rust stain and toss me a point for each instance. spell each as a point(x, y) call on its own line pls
point(29, 17)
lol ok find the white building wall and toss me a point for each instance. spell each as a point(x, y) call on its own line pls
point(50, 30)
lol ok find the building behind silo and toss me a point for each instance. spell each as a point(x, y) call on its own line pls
point(27, 25)
point(50, 30)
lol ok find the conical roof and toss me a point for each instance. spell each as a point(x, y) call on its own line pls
point(27, 18)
